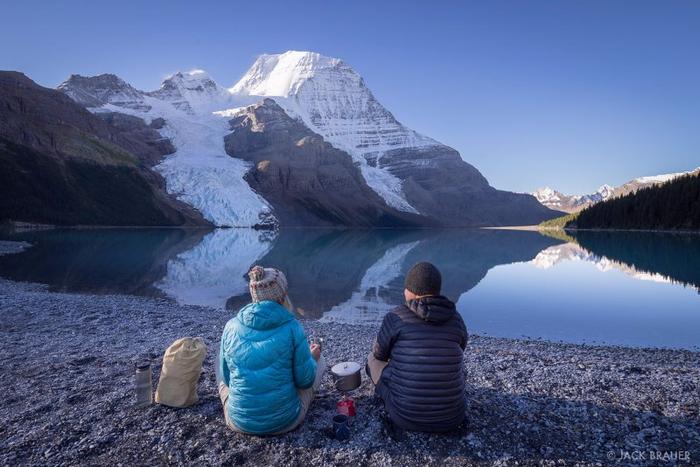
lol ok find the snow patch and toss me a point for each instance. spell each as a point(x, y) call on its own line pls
point(654, 179)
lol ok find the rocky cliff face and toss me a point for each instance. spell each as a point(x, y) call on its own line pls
point(305, 179)
point(63, 165)
point(143, 139)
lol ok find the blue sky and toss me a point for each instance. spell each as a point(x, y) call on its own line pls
point(570, 94)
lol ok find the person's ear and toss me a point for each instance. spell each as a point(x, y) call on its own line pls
point(408, 295)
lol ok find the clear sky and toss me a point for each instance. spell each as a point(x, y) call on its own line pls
point(571, 94)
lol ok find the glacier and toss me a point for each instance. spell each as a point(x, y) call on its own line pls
point(199, 173)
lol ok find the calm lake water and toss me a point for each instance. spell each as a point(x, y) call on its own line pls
point(633, 289)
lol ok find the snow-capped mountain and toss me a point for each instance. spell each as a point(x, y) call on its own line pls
point(416, 180)
point(572, 203)
point(95, 91)
point(194, 92)
point(643, 182)
point(333, 101)
point(200, 173)
point(411, 172)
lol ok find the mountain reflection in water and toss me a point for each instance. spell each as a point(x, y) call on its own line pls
point(342, 275)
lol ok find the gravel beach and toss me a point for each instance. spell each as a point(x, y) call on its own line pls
point(68, 396)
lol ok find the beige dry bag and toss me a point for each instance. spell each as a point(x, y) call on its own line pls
point(182, 365)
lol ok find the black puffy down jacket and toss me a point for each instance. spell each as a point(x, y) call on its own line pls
point(423, 384)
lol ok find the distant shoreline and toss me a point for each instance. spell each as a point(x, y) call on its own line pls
point(537, 228)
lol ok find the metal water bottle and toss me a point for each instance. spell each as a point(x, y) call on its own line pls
point(144, 384)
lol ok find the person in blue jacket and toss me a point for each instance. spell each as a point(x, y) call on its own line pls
point(267, 371)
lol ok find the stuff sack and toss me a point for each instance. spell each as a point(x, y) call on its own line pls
point(182, 365)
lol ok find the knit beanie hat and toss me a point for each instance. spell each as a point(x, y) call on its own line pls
point(267, 284)
point(424, 279)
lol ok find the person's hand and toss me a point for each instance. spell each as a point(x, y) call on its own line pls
point(315, 351)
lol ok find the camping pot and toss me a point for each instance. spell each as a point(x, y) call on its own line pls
point(347, 376)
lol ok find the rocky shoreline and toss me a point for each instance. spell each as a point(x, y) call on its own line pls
point(68, 397)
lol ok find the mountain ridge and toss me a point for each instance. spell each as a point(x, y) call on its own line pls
point(63, 165)
point(573, 203)
point(410, 172)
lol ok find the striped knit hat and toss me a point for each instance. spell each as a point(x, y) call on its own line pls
point(267, 284)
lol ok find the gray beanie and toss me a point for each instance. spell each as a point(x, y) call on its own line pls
point(424, 279)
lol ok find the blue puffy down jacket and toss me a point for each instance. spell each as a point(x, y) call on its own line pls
point(264, 359)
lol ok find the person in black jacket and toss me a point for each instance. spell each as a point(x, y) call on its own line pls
point(416, 363)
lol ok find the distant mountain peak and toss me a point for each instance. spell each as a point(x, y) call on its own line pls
point(663, 177)
point(544, 193)
point(192, 91)
point(107, 88)
point(193, 80)
point(572, 203)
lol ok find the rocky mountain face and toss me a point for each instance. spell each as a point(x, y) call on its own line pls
point(94, 91)
point(273, 164)
point(554, 199)
point(305, 179)
point(60, 164)
point(411, 172)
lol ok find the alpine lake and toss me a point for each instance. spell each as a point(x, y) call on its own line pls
point(636, 289)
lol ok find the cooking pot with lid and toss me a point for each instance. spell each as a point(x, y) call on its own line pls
point(347, 376)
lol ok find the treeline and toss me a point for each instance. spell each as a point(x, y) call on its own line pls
point(674, 205)
point(559, 222)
